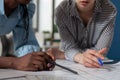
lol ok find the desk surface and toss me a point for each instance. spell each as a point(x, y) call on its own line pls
point(107, 72)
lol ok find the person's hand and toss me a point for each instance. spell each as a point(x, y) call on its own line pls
point(33, 62)
point(90, 58)
point(55, 53)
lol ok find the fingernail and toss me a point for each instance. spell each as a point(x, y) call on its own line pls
point(48, 64)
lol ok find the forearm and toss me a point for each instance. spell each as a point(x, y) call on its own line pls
point(7, 62)
point(104, 41)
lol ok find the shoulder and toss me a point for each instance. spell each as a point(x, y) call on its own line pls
point(63, 4)
point(108, 12)
point(62, 8)
point(109, 7)
point(31, 5)
point(31, 8)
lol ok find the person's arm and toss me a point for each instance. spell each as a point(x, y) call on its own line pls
point(89, 57)
point(35, 61)
point(8, 8)
point(55, 53)
point(68, 43)
point(66, 38)
point(7, 62)
point(106, 37)
point(23, 47)
point(7, 24)
point(9, 15)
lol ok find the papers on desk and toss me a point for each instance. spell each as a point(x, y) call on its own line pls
point(107, 72)
point(7, 74)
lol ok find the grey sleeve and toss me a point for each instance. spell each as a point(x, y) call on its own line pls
point(68, 44)
point(106, 36)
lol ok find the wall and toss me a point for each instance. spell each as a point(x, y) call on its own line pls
point(114, 52)
point(45, 15)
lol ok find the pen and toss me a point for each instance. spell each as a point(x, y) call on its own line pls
point(100, 62)
point(102, 50)
point(99, 59)
point(52, 62)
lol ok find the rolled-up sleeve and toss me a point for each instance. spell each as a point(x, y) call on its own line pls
point(69, 54)
point(26, 49)
point(1, 6)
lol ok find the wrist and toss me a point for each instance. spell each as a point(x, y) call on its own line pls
point(78, 58)
point(14, 63)
point(7, 62)
point(60, 54)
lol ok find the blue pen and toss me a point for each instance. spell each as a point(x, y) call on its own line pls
point(100, 62)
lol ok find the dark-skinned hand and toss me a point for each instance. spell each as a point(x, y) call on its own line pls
point(36, 61)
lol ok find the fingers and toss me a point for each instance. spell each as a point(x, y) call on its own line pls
point(50, 66)
point(44, 55)
point(33, 62)
point(91, 61)
point(40, 65)
point(50, 52)
point(47, 57)
point(41, 56)
point(55, 53)
point(90, 57)
point(42, 60)
point(38, 54)
point(102, 51)
point(95, 53)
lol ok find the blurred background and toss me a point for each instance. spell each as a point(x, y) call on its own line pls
point(46, 30)
point(44, 25)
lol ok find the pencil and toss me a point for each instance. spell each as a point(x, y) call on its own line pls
point(52, 62)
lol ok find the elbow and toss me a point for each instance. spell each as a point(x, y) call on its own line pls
point(4, 30)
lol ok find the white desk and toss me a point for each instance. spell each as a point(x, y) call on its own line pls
point(107, 72)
